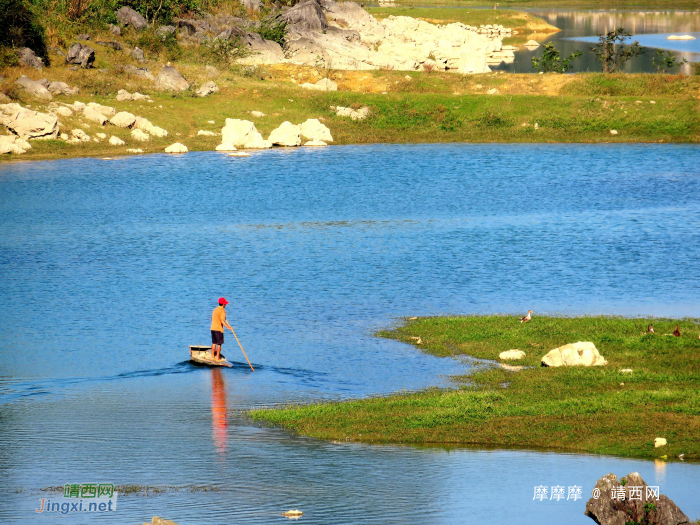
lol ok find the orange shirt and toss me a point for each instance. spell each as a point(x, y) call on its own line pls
point(218, 318)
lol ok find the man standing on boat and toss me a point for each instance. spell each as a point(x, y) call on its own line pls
point(218, 321)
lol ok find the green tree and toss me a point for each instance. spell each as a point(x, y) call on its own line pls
point(551, 60)
point(612, 51)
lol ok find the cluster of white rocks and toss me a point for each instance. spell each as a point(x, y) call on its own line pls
point(243, 134)
point(27, 124)
point(344, 36)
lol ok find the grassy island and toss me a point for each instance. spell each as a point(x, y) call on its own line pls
point(575, 409)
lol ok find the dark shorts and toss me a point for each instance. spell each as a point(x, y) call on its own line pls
point(217, 338)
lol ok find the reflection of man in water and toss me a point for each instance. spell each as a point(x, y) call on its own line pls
point(218, 409)
point(218, 321)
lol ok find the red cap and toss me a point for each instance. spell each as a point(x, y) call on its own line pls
point(222, 300)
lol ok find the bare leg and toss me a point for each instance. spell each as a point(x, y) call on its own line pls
point(212, 350)
point(218, 352)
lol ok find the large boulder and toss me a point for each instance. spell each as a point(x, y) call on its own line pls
point(261, 51)
point(27, 57)
point(33, 88)
point(81, 55)
point(631, 502)
point(287, 134)
point(313, 130)
point(28, 124)
point(238, 132)
point(123, 119)
point(128, 17)
point(170, 79)
point(574, 354)
point(105, 110)
point(242, 133)
point(95, 116)
point(307, 14)
point(13, 144)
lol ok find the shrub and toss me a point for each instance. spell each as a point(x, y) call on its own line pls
point(551, 60)
point(612, 52)
point(20, 26)
point(665, 60)
point(272, 28)
point(225, 51)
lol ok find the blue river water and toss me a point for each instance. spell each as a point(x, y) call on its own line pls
point(109, 269)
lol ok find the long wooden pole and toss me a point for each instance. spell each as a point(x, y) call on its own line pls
point(239, 344)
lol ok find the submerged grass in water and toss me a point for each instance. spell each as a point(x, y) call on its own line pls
point(598, 410)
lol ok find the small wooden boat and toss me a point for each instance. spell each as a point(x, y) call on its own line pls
point(202, 354)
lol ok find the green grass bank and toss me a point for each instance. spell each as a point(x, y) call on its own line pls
point(404, 107)
point(597, 410)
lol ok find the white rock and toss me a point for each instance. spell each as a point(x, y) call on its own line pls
point(155, 131)
point(64, 136)
point(680, 37)
point(10, 148)
point(360, 114)
point(492, 91)
point(315, 143)
point(176, 148)
point(140, 135)
point(226, 147)
point(511, 354)
point(101, 135)
point(123, 96)
point(258, 143)
point(574, 354)
point(239, 154)
point(313, 129)
point(28, 124)
point(613, 132)
point(256, 114)
point(105, 110)
point(322, 85)
point(78, 106)
point(626, 370)
point(210, 122)
point(287, 134)
point(134, 150)
point(239, 132)
point(80, 135)
point(207, 89)
point(207, 133)
point(116, 141)
point(95, 116)
point(123, 119)
point(64, 111)
point(660, 442)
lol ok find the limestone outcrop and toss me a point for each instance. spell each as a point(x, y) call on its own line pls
point(631, 502)
point(126, 16)
point(28, 58)
point(95, 116)
point(33, 88)
point(61, 88)
point(81, 55)
point(28, 124)
point(124, 96)
point(574, 354)
point(242, 134)
point(170, 79)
